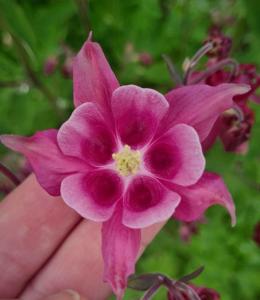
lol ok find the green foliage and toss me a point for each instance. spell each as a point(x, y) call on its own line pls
point(31, 31)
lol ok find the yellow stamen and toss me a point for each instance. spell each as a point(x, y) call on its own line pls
point(127, 161)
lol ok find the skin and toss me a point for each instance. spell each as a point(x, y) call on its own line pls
point(46, 248)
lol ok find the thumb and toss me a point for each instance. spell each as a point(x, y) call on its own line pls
point(65, 295)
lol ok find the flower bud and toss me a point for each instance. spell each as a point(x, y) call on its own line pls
point(50, 65)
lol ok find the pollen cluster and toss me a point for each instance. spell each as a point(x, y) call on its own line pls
point(127, 161)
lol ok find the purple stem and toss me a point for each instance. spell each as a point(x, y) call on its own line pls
point(6, 172)
point(218, 66)
point(195, 59)
point(151, 291)
point(187, 290)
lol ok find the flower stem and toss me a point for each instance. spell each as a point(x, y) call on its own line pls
point(83, 13)
point(176, 78)
point(10, 84)
point(187, 291)
point(10, 175)
point(195, 59)
point(32, 75)
point(148, 295)
point(192, 275)
point(218, 66)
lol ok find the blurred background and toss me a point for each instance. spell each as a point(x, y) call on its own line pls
point(38, 40)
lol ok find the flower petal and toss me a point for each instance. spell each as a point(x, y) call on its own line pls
point(93, 79)
point(86, 135)
point(50, 165)
point(137, 113)
point(147, 202)
point(93, 195)
point(199, 106)
point(177, 156)
point(208, 191)
point(120, 246)
point(208, 143)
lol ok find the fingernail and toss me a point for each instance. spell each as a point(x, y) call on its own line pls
point(65, 295)
point(73, 295)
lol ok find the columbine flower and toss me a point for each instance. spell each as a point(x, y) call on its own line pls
point(129, 157)
point(234, 126)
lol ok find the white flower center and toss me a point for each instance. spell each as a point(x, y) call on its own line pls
point(127, 161)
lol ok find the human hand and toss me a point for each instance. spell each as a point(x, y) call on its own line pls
point(46, 247)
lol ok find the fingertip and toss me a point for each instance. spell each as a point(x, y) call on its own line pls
point(65, 295)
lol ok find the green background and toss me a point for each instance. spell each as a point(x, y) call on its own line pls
point(176, 28)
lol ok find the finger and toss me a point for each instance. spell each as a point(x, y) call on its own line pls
point(78, 264)
point(32, 226)
point(65, 295)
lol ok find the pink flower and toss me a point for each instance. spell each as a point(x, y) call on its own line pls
point(129, 157)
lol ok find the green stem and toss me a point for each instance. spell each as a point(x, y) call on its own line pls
point(176, 78)
point(32, 75)
point(83, 13)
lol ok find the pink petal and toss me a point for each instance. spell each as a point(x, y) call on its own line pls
point(177, 156)
point(87, 136)
point(50, 165)
point(208, 191)
point(147, 202)
point(213, 135)
point(93, 79)
point(120, 246)
point(137, 113)
point(199, 106)
point(93, 195)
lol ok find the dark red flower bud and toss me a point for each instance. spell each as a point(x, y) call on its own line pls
point(235, 133)
point(145, 58)
point(256, 234)
point(221, 44)
point(248, 75)
point(66, 69)
point(206, 293)
point(50, 65)
point(187, 230)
